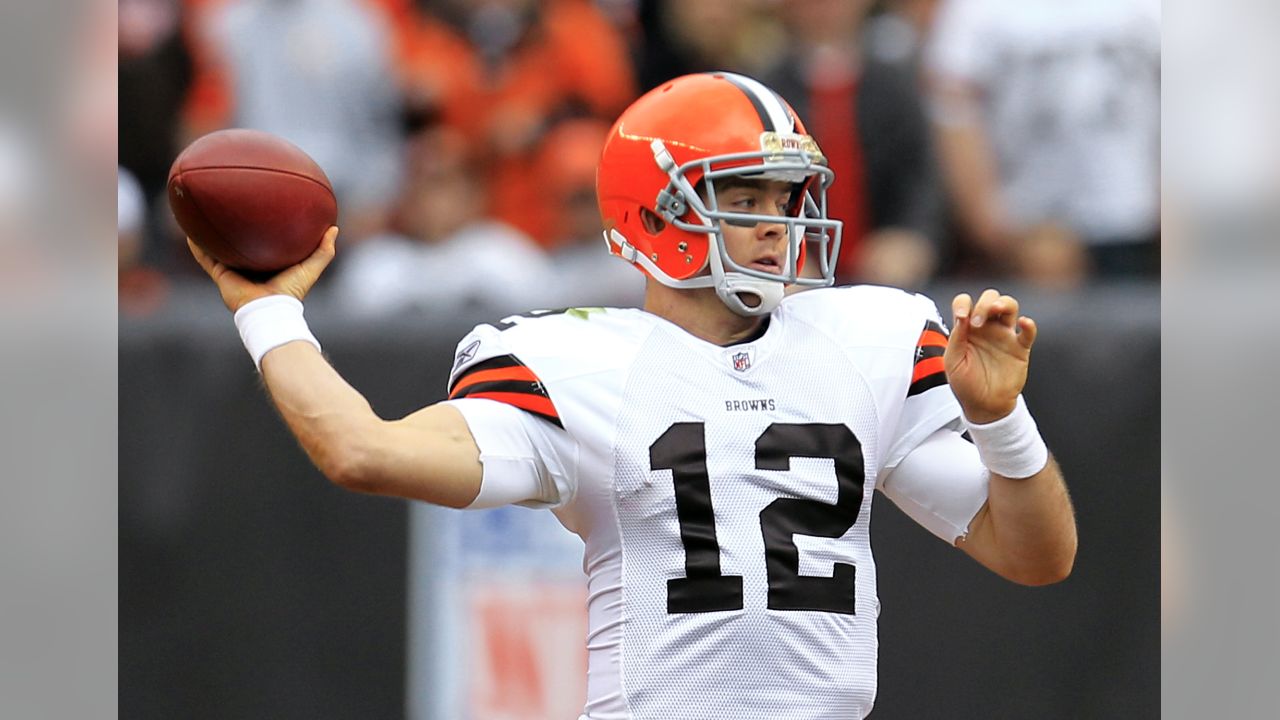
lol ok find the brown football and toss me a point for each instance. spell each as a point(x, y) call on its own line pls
point(251, 199)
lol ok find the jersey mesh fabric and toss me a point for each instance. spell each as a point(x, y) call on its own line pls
point(835, 362)
point(753, 662)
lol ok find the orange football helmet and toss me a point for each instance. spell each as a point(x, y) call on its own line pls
point(688, 132)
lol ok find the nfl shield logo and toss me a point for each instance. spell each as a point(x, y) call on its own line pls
point(741, 361)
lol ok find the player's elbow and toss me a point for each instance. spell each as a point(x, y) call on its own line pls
point(1047, 575)
point(347, 471)
point(1050, 569)
point(350, 462)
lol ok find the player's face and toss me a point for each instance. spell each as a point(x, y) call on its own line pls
point(761, 246)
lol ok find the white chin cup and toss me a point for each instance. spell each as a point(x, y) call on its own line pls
point(769, 292)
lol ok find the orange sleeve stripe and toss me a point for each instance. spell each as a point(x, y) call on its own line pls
point(927, 367)
point(517, 374)
point(533, 403)
point(932, 337)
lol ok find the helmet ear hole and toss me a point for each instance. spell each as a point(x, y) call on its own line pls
point(652, 223)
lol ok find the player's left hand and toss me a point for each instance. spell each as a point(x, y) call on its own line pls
point(987, 356)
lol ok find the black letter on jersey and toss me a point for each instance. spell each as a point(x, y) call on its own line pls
point(682, 449)
point(786, 517)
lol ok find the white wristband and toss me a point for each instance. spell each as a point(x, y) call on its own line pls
point(1011, 446)
point(269, 322)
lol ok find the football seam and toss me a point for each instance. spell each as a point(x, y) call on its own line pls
point(209, 223)
point(202, 168)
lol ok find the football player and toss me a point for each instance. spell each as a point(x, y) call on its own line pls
point(717, 450)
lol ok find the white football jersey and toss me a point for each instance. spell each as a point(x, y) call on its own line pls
point(723, 493)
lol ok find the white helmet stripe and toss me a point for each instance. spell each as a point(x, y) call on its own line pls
point(764, 98)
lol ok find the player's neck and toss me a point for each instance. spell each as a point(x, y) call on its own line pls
point(700, 313)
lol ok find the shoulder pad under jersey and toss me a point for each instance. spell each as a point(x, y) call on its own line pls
point(875, 316)
point(522, 358)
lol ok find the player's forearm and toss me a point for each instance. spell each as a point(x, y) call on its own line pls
point(1031, 525)
point(429, 455)
point(329, 418)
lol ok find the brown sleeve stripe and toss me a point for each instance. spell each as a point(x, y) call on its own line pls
point(929, 371)
point(927, 367)
point(493, 363)
point(925, 352)
point(497, 374)
point(927, 383)
point(506, 379)
point(932, 338)
point(932, 331)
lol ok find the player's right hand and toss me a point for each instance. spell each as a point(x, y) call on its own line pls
point(295, 280)
point(987, 354)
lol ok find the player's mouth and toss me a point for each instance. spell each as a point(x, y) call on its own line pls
point(767, 263)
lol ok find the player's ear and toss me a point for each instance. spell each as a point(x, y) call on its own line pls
point(652, 223)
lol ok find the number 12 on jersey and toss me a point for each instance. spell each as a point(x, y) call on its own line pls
point(682, 449)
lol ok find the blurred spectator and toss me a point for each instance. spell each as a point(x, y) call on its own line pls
point(854, 82)
point(586, 273)
point(141, 289)
point(318, 72)
point(679, 37)
point(1048, 122)
point(154, 74)
point(542, 61)
point(442, 252)
point(441, 76)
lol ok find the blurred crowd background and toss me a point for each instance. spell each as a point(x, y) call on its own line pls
point(1003, 139)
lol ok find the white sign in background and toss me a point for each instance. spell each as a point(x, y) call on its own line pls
point(496, 617)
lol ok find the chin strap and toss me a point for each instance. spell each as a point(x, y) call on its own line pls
point(631, 254)
point(729, 285)
point(768, 292)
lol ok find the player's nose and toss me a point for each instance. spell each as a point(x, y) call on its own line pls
point(773, 228)
point(773, 234)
